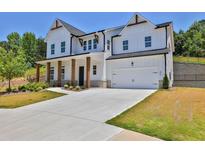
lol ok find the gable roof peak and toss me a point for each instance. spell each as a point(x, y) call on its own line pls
point(73, 30)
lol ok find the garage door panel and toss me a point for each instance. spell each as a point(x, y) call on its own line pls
point(135, 78)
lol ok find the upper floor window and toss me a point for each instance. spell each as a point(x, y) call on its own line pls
point(62, 72)
point(89, 44)
point(95, 44)
point(51, 73)
point(62, 47)
point(52, 49)
point(125, 45)
point(94, 69)
point(148, 41)
point(108, 44)
point(85, 45)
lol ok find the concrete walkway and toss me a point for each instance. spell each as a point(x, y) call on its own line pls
point(77, 116)
point(60, 90)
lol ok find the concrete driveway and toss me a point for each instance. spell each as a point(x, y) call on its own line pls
point(78, 116)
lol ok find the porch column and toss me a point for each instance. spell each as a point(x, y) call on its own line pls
point(73, 64)
point(48, 71)
point(59, 73)
point(37, 72)
point(88, 59)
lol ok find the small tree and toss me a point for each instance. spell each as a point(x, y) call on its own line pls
point(165, 82)
point(11, 64)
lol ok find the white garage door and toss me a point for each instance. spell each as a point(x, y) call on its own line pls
point(135, 78)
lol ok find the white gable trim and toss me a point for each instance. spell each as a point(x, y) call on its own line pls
point(138, 14)
point(50, 29)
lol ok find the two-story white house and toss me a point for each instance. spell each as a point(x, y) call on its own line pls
point(135, 55)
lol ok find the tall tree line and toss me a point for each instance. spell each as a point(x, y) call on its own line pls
point(34, 48)
point(191, 42)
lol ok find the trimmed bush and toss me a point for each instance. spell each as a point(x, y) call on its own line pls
point(165, 82)
point(77, 88)
point(66, 86)
point(71, 87)
point(34, 86)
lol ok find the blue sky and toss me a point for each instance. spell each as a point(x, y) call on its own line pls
point(39, 23)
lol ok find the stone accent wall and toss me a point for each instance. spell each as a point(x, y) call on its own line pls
point(189, 75)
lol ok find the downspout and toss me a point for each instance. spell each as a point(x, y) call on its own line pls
point(71, 44)
point(165, 55)
point(103, 40)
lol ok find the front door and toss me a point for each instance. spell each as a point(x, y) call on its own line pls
point(81, 75)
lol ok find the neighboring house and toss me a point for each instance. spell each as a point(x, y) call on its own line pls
point(135, 55)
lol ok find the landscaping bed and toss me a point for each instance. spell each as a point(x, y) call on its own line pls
point(174, 114)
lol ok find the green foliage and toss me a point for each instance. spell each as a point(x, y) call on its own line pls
point(14, 41)
point(29, 44)
point(192, 42)
point(165, 82)
point(34, 86)
point(12, 64)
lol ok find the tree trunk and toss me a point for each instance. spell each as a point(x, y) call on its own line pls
point(9, 85)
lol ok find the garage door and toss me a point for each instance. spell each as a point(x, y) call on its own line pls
point(135, 78)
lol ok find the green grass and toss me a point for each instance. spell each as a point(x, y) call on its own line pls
point(193, 60)
point(22, 99)
point(32, 72)
point(176, 114)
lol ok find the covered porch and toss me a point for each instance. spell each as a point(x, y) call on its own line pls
point(84, 70)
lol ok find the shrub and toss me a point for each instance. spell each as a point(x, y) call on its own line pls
point(66, 86)
point(165, 82)
point(15, 90)
point(22, 88)
point(38, 89)
point(77, 88)
point(71, 87)
point(8, 90)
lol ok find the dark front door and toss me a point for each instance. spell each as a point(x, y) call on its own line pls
point(81, 75)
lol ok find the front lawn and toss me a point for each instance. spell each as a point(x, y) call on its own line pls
point(175, 114)
point(22, 99)
point(192, 60)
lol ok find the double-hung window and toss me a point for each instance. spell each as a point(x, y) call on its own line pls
point(95, 44)
point(108, 44)
point(125, 45)
point(89, 44)
point(62, 72)
point(85, 45)
point(94, 69)
point(52, 49)
point(62, 47)
point(51, 73)
point(148, 41)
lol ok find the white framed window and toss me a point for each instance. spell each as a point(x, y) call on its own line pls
point(62, 72)
point(51, 73)
point(94, 69)
point(85, 45)
point(125, 44)
point(52, 49)
point(89, 44)
point(108, 44)
point(62, 47)
point(94, 43)
point(148, 41)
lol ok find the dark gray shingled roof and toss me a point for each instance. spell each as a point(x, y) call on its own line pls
point(72, 29)
point(139, 54)
point(163, 24)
